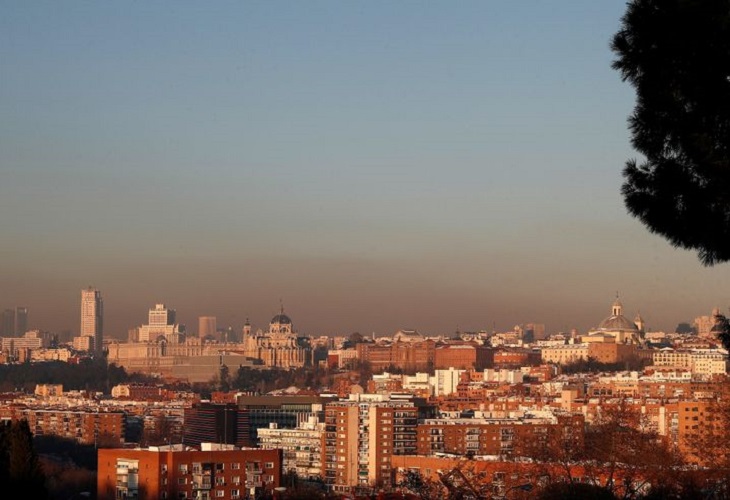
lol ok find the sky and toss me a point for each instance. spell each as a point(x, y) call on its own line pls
point(369, 165)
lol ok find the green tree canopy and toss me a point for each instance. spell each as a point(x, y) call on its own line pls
point(676, 55)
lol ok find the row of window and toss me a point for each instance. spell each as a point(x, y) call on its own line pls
point(219, 467)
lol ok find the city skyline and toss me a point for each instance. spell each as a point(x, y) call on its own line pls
point(374, 166)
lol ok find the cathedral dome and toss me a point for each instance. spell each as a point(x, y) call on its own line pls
point(281, 319)
point(617, 322)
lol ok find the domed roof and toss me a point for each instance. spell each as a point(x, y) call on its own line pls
point(617, 322)
point(281, 319)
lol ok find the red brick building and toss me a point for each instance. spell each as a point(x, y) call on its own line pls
point(515, 358)
point(175, 472)
point(408, 356)
point(465, 356)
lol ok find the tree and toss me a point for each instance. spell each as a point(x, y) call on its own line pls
point(24, 470)
point(676, 54)
point(625, 454)
point(224, 378)
point(426, 489)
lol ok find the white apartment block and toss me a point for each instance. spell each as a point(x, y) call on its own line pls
point(699, 362)
point(302, 446)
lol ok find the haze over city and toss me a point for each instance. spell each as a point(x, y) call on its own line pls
point(373, 166)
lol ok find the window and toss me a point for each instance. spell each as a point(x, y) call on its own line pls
point(235, 494)
point(269, 465)
point(183, 468)
point(236, 480)
point(219, 467)
point(182, 480)
point(220, 493)
point(235, 466)
point(269, 478)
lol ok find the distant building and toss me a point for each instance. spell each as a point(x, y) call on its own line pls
point(161, 326)
point(463, 355)
point(206, 326)
point(409, 355)
point(8, 323)
point(619, 327)
point(92, 317)
point(21, 321)
point(83, 343)
point(20, 348)
point(705, 324)
point(280, 346)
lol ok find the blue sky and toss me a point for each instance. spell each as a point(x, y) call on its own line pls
point(374, 165)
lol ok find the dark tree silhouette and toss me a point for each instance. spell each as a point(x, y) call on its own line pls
point(24, 471)
point(676, 54)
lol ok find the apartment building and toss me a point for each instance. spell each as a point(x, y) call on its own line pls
point(497, 437)
point(302, 446)
point(363, 434)
point(213, 471)
point(92, 425)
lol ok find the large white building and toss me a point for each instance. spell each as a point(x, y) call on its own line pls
point(92, 314)
point(161, 324)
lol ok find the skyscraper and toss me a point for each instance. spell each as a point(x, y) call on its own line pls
point(206, 326)
point(21, 321)
point(8, 323)
point(92, 312)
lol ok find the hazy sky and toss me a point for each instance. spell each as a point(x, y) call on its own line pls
point(374, 165)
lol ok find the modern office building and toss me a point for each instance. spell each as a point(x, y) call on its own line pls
point(206, 326)
point(208, 422)
point(21, 321)
point(284, 411)
point(92, 317)
point(8, 323)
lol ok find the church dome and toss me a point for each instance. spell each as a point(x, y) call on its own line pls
point(281, 319)
point(618, 322)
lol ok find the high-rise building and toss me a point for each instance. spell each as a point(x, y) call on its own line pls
point(161, 324)
point(206, 326)
point(364, 434)
point(92, 313)
point(8, 323)
point(21, 321)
